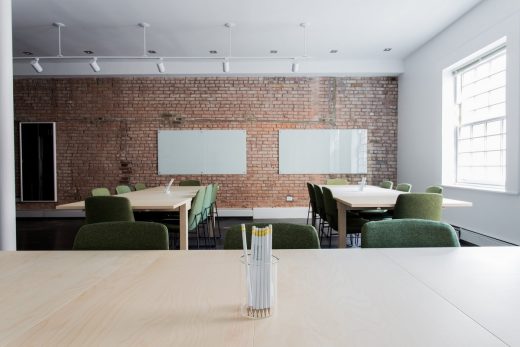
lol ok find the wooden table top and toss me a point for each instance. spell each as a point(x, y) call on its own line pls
point(358, 297)
point(150, 199)
point(374, 197)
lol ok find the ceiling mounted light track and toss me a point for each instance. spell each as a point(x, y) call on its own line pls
point(225, 61)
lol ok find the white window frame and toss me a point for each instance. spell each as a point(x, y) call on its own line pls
point(459, 124)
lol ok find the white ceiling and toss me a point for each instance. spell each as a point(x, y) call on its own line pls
point(358, 29)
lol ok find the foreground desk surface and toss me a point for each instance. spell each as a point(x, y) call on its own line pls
point(355, 297)
point(351, 198)
point(155, 199)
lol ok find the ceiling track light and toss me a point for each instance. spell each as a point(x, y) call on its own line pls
point(225, 65)
point(295, 61)
point(94, 65)
point(160, 66)
point(295, 66)
point(35, 63)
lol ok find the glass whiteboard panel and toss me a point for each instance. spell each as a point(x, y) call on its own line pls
point(202, 152)
point(323, 151)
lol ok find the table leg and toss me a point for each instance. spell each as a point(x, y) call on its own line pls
point(342, 225)
point(183, 230)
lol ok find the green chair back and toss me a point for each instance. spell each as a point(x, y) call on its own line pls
point(418, 206)
point(312, 196)
point(122, 236)
point(189, 183)
point(214, 192)
point(337, 181)
point(123, 189)
point(140, 186)
point(434, 189)
point(331, 208)
point(404, 187)
point(108, 209)
point(285, 236)
point(386, 184)
point(403, 233)
point(206, 203)
point(100, 192)
point(195, 214)
point(320, 206)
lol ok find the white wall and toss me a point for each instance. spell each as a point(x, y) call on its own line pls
point(420, 115)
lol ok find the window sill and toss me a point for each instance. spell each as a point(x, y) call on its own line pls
point(480, 189)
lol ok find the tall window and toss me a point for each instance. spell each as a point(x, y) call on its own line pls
point(480, 111)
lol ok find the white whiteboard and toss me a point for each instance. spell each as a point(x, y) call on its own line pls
point(201, 152)
point(323, 151)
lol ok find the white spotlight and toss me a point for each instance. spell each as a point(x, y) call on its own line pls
point(36, 65)
point(94, 65)
point(160, 66)
point(295, 67)
point(225, 65)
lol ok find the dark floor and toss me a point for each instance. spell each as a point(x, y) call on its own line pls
point(59, 233)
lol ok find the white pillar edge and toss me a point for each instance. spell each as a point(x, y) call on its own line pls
point(7, 165)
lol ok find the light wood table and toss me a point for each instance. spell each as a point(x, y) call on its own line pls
point(351, 198)
point(361, 297)
point(155, 199)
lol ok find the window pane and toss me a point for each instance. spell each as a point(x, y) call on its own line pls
point(494, 127)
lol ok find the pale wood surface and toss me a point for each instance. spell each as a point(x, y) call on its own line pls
point(349, 197)
point(484, 283)
point(325, 298)
point(150, 199)
point(156, 199)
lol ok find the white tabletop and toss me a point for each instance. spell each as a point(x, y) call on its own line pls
point(355, 297)
point(150, 199)
point(374, 197)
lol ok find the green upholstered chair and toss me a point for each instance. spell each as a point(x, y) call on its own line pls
point(100, 192)
point(320, 210)
point(194, 216)
point(404, 187)
point(331, 211)
point(140, 186)
point(337, 181)
point(214, 209)
point(206, 211)
point(386, 184)
point(121, 236)
point(434, 189)
point(189, 183)
point(108, 209)
point(123, 189)
point(285, 236)
point(402, 233)
point(418, 206)
point(312, 204)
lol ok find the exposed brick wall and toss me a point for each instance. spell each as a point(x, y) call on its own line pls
point(107, 127)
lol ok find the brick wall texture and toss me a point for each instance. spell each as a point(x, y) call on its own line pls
point(107, 128)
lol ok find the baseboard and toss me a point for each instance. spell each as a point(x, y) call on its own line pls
point(50, 214)
point(279, 212)
point(235, 212)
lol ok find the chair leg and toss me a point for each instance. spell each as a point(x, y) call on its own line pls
point(330, 236)
point(308, 212)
